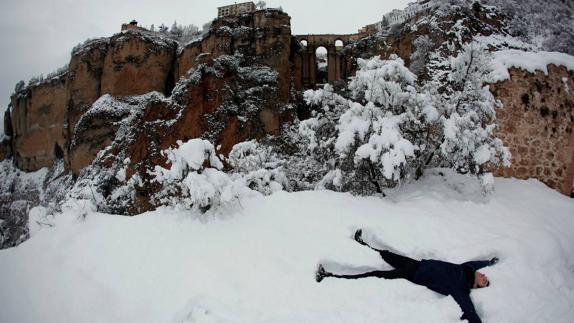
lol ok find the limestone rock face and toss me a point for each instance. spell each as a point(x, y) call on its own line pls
point(5, 139)
point(263, 37)
point(223, 100)
point(5, 148)
point(46, 116)
point(137, 63)
point(84, 83)
point(38, 116)
point(95, 131)
point(8, 123)
point(537, 124)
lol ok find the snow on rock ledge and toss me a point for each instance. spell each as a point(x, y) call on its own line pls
point(529, 61)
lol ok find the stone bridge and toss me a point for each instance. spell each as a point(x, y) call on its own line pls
point(337, 64)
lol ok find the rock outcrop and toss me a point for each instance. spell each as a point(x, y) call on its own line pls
point(138, 63)
point(46, 116)
point(224, 100)
point(263, 37)
point(130, 63)
point(84, 88)
point(38, 117)
point(5, 138)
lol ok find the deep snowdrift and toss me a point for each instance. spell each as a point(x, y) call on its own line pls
point(258, 265)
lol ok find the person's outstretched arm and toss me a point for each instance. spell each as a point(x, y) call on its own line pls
point(478, 264)
point(469, 313)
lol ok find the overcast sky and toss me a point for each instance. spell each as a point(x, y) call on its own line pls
point(37, 35)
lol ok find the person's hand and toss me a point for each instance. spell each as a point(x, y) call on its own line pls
point(493, 261)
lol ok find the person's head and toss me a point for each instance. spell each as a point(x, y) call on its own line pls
point(480, 280)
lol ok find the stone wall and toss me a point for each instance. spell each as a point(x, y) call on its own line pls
point(537, 123)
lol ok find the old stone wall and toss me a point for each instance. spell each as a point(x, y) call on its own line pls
point(537, 123)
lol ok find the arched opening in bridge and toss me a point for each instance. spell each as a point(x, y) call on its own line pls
point(322, 62)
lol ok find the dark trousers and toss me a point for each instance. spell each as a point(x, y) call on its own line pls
point(405, 267)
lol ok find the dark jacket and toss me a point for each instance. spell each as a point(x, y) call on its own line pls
point(451, 279)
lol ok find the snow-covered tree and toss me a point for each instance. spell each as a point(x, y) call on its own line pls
point(162, 29)
point(423, 46)
point(390, 129)
point(260, 167)
point(468, 115)
point(378, 132)
point(261, 5)
point(195, 179)
point(205, 28)
point(175, 31)
point(548, 24)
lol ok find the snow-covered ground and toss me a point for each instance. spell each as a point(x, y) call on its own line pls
point(258, 264)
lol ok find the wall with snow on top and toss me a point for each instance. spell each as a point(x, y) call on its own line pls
point(529, 61)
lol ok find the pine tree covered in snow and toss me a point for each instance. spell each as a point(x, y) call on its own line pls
point(467, 109)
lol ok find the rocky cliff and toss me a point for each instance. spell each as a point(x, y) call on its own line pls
point(45, 117)
point(125, 98)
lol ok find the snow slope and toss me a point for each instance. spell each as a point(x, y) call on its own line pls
point(258, 265)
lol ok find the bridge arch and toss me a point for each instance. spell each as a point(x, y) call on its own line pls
point(336, 62)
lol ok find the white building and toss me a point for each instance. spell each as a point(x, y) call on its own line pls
point(235, 9)
point(399, 16)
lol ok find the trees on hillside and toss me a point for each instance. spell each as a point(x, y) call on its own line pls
point(550, 24)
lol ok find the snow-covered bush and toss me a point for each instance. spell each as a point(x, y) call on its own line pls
point(195, 179)
point(259, 166)
point(377, 133)
point(423, 46)
point(390, 129)
point(468, 116)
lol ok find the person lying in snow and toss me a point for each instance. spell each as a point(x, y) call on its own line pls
point(442, 277)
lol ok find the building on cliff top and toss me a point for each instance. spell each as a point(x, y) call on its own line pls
point(235, 9)
point(399, 16)
point(133, 25)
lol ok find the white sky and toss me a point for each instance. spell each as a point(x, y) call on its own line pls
point(37, 35)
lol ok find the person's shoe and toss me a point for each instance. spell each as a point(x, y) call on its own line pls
point(358, 237)
point(320, 274)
